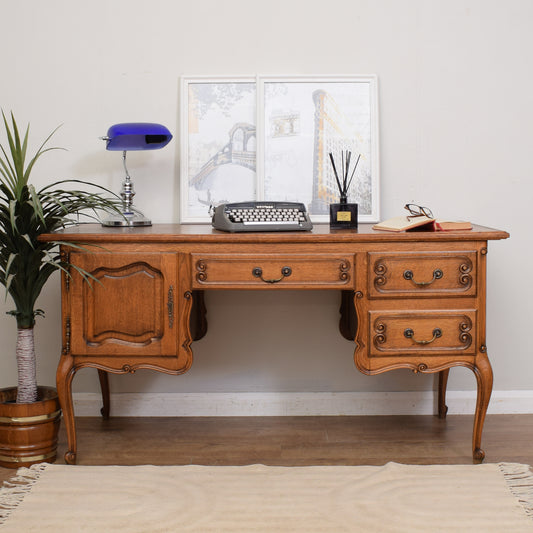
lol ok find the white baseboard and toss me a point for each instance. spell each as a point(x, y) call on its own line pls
point(298, 403)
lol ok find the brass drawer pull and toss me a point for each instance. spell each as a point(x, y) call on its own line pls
point(285, 272)
point(437, 274)
point(410, 334)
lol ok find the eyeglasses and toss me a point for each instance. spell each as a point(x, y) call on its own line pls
point(418, 211)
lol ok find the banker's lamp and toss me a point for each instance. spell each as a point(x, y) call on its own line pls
point(133, 136)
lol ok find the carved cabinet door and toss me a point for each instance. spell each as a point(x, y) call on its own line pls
point(126, 308)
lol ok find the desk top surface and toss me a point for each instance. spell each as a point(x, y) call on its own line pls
point(176, 233)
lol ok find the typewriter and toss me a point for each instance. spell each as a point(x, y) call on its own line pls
point(261, 216)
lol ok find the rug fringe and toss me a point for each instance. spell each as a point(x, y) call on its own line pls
point(519, 478)
point(12, 492)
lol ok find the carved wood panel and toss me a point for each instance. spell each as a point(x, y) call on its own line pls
point(116, 290)
point(128, 308)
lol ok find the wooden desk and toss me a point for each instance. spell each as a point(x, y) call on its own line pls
point(408, 300)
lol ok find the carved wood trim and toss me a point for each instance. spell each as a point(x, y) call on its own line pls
point(66, 347)
point(344, 270)
point(201, 271)
point(186, 344)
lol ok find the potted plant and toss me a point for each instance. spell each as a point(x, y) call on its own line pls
point(30, 415)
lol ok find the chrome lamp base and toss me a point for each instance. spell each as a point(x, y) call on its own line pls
point(126, 219)
point(129, 216)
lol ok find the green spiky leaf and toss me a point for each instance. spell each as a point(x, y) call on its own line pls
point(26, 213)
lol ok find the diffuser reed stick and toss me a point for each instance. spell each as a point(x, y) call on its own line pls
point(344, 185)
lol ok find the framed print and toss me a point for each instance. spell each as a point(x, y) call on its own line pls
point(306, 119)
point(218, 144)
point(269, 138)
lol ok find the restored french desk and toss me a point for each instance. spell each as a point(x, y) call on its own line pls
point(408, 300)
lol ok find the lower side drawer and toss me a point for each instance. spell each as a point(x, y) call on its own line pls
point(422, 332)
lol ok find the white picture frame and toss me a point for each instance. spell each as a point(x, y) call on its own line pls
point(216, 114)
point(298, 122)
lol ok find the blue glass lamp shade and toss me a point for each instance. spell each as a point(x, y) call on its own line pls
point(123, 138)
point(137, 136)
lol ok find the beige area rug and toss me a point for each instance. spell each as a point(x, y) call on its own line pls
point(152, 499)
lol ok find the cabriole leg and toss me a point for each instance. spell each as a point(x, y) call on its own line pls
point(483, 372)
point(65, 374)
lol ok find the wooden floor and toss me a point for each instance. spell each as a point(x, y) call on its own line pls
point(297, 441)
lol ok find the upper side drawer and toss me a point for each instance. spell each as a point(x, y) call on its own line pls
point(272, 271)
point(416, 274)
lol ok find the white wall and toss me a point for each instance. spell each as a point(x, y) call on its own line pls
point(456, 115)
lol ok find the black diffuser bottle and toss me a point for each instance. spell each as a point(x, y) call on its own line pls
point(343, 215)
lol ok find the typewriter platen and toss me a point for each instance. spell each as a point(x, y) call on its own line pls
point(261, 216)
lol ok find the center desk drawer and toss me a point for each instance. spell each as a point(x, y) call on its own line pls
point(264, 271)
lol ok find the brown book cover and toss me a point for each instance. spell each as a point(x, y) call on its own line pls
point(450, 225)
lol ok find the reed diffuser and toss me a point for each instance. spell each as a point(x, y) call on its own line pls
point(343, 214)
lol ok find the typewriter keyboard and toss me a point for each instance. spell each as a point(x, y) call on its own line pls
point(261, 216)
